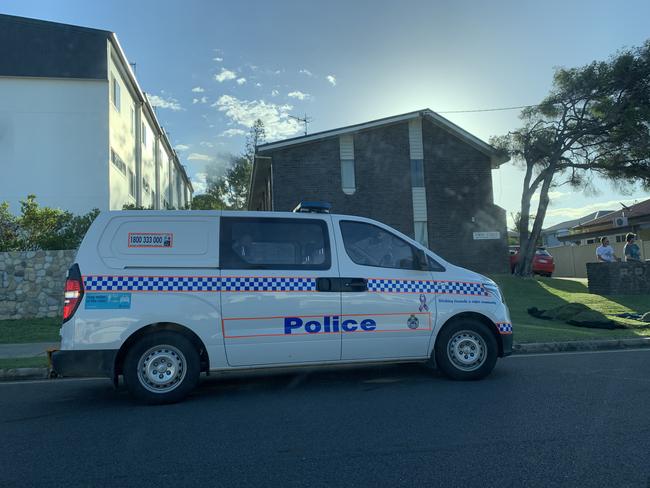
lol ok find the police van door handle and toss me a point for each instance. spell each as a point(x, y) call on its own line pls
point(341, 284)
point(354, 284)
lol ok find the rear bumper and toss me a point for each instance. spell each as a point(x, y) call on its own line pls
point(506, 342)
point(85, 363)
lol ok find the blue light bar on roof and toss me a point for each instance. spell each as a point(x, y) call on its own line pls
point(313, 207)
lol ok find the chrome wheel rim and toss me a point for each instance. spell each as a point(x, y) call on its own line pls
point(467, 350)
point(161, 369)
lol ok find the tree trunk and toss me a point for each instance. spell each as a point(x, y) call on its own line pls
point(524, 221)
point(527, 254)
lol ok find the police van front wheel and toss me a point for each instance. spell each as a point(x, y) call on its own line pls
point(162, 367)
point(466, 350)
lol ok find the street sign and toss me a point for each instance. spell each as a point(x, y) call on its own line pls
point(486, 235)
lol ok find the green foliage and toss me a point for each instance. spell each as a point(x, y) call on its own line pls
point(594, 122)
point(41, 227)
point(230, 190)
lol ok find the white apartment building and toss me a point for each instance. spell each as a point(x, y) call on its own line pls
point(76, 129)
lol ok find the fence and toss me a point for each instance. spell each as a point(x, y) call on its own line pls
point(31, 283)
point(571, 261)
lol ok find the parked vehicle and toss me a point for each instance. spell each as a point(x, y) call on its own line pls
point(543, 263)
point(159, 297)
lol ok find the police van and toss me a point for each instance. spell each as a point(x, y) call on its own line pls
point(160, 297)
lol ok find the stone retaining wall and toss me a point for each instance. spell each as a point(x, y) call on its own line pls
point(619, 278)
point(31, 283)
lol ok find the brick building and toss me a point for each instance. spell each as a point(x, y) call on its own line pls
point(416, 172)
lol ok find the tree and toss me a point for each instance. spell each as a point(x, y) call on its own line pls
point(595, 121)
point(230, 190)
point(42, 227)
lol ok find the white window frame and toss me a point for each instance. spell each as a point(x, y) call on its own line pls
point(116, 94)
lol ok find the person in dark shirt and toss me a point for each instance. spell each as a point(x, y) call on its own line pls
point(631, 249)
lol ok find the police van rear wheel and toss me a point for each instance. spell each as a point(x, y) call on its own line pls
point(466, 350)
point(162, 367)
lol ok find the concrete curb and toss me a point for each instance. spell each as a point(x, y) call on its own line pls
point(17, 374)
point(602, 345)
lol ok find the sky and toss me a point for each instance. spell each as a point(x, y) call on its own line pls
point(213, 67)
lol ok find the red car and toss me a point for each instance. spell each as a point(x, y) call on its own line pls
point(542, 262)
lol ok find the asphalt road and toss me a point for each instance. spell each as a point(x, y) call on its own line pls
point(552, 420)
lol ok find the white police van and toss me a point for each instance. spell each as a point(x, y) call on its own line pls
point(159, 297)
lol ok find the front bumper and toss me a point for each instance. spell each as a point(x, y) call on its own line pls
point(85, 363)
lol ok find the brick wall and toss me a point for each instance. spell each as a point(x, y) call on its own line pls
point(458, 183)
point(31, 283)
point(458, 179)
point(382, 173)
point(619, 278)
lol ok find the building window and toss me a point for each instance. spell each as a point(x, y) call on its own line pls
point(346, 149)
point(133, 121)
point(117, 162)
point(421, 233)
point(145, 185)
point(369, 245)
point(274, 243)
point(144, 135)
point(131, 183)
point(347, 176)
point(591, 241)
point(417, 173)
point(115, 93)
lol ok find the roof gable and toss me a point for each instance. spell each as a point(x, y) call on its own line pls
point(437, 119)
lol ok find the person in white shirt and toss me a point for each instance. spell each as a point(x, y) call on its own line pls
point(605, 252)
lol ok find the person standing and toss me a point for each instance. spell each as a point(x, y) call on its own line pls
point(631, 249)
point(605, 252)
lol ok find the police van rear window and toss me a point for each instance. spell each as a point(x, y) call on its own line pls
point(274, 243)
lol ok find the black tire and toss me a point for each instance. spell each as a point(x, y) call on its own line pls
point(477, 341)
point(169, 385)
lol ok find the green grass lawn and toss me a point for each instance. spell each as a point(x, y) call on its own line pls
point(29, 330)
point(13, 363)
point(520, 294)
point(545, 293)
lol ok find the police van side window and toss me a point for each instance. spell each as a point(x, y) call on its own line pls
point(274, 243)
point(369, 245)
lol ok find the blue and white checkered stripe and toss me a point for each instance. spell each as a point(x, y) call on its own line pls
point(504, 328)
point(425, 286)
point(151, 283)
point(253, 283)
point(198, 283)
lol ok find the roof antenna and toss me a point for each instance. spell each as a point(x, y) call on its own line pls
point(133, 66)
point(305, 120)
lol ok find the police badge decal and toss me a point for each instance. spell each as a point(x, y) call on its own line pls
point(413, 322)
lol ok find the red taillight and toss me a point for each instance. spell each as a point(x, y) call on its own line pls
point(73, 293)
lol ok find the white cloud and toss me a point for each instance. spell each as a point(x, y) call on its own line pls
point(331, 79)
point(206, 144)
point(217, 59)
point(299, 95)
point(225, 75)
point(181, 147)
point(241, 81)
point(274, 93)
point(200, 100)
point(199, 182)
point(306, 72)
point(258, 84)
point(553, 195)
point(160, 102)
point(232, 132)
point(198, 89)
point(575, 213)
point(245, 112)
point(198, 157)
